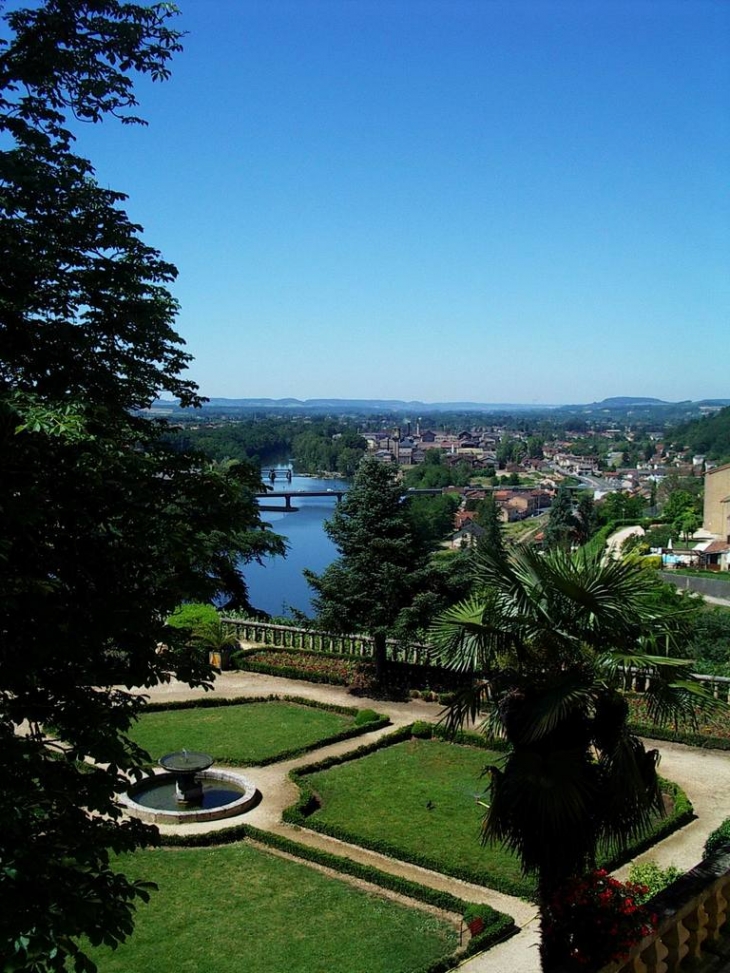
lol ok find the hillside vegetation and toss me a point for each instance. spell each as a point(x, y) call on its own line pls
point(709, 436)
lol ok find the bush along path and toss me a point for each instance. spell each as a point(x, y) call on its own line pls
point(703, 774)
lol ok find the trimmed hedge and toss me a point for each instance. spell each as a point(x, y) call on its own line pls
point(687, 737)
point(469, 738)
point(717, 838)
point(212, 701)
point(365, 720)
point(497, 925)
point(300, 812)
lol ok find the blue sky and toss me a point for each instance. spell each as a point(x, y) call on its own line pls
point(519, 201)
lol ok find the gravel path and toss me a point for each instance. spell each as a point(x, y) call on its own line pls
point(704, 775)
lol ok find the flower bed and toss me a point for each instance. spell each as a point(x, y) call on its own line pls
point(713, 729)
point(594, 920)
point(296, 664)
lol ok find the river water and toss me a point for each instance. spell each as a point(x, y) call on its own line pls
point(278, 585)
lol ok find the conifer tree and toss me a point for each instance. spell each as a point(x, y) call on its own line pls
point(561, 523)
point(488, 517)
point(382, 564)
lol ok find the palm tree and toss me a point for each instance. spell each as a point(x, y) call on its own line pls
point(218, 639)
point(546, 643)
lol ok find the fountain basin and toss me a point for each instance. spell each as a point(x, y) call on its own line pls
point(223, 794)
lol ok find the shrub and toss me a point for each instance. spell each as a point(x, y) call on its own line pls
point(720, 836)
point(193, 615)
point(366, 716)
point(652, 877)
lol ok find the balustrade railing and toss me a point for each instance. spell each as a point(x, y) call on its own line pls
point(637, 681)
point(312, 640)
point(693, 932)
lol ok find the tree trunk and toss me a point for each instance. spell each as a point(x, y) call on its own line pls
point(554, 947)
point(380, 658)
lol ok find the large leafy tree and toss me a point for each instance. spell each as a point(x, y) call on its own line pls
point(383, 568)
point(545, 642)
point(104, 530)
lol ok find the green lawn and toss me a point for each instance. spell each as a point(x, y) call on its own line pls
point(238, 908)
point(417, 800)
point(239, 735)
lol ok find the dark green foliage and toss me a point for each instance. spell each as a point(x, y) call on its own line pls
point(710, 638)
point(367, 716)
point(434, 472)
point(105, 530)
point(561, 525)
point(261, 440)
point(719, 838)
point(432, 517)
point(320, 450)
point(488, 517)
point(586, 519)
point(709, 436)
point(620, 506)
point(382, 567)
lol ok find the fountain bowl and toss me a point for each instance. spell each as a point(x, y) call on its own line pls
point(224, 794)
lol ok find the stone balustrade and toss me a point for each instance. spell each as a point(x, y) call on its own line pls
point(311, 640)
point(693, 932)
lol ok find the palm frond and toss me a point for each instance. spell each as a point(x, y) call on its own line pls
point(632, 796)
point(469, 636)
point(465, 707)
point(541, 808)
point(571, 692)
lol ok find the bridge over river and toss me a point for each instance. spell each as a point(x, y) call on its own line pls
point(335, 494)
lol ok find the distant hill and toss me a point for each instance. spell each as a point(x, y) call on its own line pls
point(364, 405)
point(621, 402)
point(709, 436)
point(617, 406)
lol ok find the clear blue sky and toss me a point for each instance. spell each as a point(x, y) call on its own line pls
point(518, 201)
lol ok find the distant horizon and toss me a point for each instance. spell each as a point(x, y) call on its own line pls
point(459, 403)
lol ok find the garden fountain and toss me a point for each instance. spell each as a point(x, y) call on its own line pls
point(188, 791)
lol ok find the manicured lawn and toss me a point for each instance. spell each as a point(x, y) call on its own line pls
point(240, 735)
point(237, 908)
point(417, 800)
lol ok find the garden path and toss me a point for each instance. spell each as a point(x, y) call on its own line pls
point(703, 774)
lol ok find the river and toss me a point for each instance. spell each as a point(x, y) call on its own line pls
point(278, 585)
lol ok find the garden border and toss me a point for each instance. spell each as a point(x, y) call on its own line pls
point(300, 812)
